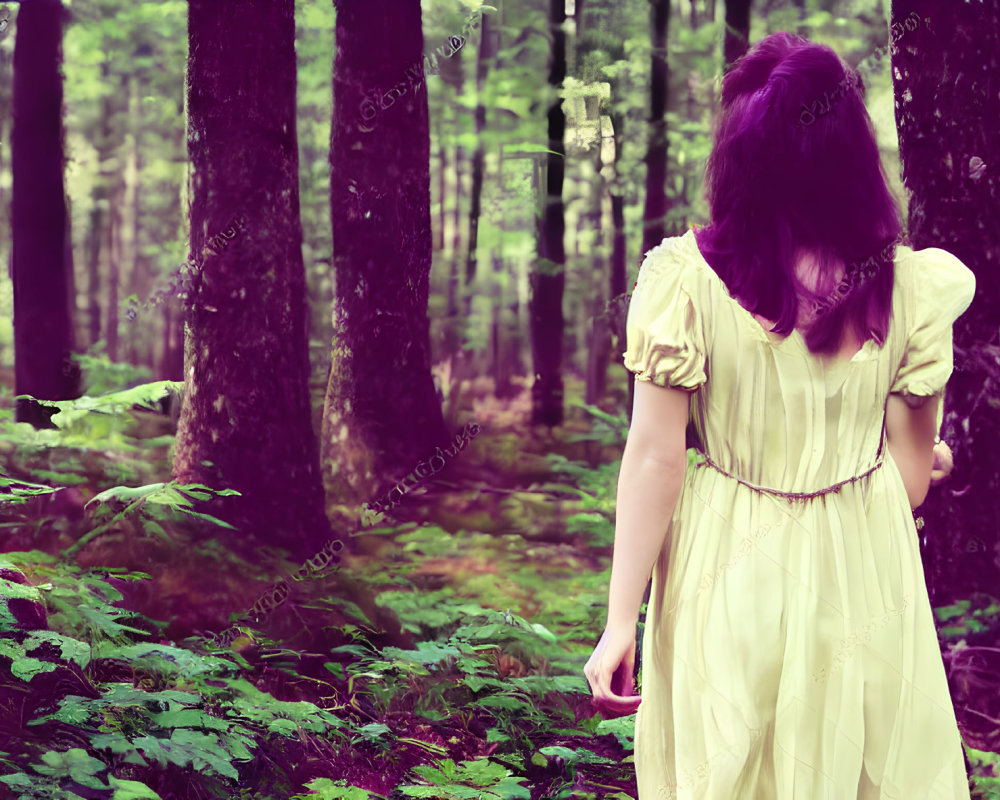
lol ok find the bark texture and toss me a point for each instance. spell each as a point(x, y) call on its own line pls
point(245, 423)
point(945, 66)
point(657, 204)
point(40, 265)
point(548, 277)
point(737, 31)
point(382, 414)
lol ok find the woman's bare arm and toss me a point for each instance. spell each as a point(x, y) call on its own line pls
point(910, 429)
point(649, 484)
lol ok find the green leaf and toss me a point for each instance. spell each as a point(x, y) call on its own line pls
point(945, 613)
point(131, 790)
point(75, 763)
point(557, 751)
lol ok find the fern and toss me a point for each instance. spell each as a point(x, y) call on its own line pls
point(15, 491)
point(151, 505)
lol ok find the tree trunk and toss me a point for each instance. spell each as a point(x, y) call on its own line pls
point(172, 360)
point(485, 54)
point(382, 414)
point(98, 215)
point(43, 328)
point(138, 276)
point(246, 419)
point(949, 152)
point(657, 205)
point(114, 264)
point(548, 277)
point(737, 32)
point(598, 335)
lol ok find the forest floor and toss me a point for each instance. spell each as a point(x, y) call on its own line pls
point(442, 658)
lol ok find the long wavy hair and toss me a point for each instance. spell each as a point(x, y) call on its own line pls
point(795, 170)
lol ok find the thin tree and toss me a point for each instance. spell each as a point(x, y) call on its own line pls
point(246, 420)
point(949, 151)
point(548, 276)
point(484, 59)
point(41, 264)
point(657, 203)
point(737, 32)
point(382, 415)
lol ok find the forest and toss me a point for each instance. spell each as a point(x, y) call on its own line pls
point(312, 402)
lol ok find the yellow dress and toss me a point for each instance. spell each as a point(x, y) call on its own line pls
point(789, 651)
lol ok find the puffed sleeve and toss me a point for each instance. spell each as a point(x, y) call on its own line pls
point(937, 290)
point(665, 342)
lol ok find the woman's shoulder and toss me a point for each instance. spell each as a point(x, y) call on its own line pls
point(679, 258)
point(932, 275)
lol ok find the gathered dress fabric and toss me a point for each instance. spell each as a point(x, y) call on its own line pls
point(789, 650)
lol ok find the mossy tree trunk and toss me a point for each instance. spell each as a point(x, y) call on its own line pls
point(381, 414)
point(246, 423)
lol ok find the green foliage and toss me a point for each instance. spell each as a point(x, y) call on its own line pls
point(151, 505)
point(987, 766)
point(73, 412)
point(326, 789)
point(480, 778)
point(102, 376)
point(15, 491)
point(976, 615)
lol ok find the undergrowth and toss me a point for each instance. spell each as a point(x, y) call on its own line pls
point(479, 695)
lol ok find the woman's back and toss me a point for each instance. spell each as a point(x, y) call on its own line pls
point(772, 412)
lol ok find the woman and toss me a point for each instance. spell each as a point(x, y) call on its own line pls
point(789, 647)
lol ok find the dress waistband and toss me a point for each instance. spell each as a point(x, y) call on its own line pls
point(790, 496)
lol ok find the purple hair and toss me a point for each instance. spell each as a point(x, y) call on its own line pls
point(787, 176)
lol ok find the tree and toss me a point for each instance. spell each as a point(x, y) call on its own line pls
point(246, 419)
point(484, 58)
point(737, 32)
point(657, 203)
point(42, 266)
point(949, 148)
point(548, 277)
point(381, 415)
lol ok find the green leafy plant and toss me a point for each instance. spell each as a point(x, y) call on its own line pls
point(479, 778)
point(150, 505)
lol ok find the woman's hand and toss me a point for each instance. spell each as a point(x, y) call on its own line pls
point(944, 462)
point(609, 672)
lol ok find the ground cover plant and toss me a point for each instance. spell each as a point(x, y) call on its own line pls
point(111, 685)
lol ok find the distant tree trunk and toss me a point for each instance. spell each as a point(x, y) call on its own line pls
point(548, 277)
point(442, 187)
point(246, 418)
point(737, 31)
point(138, 276)
point(485, 55)
point(94, 271)
point(172, 360)
point(456, 236)
point(598, 336)
point(114, 264)
point(5, 106)
point(98, 216)
point(949, 152)
point(43, 327)
point(657, 205)
point(171, 363)
point(382, 415)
